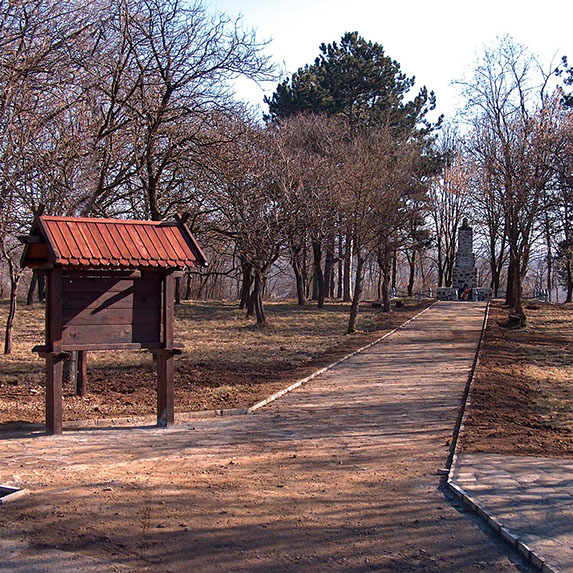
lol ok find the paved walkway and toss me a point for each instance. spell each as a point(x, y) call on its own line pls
point(531, 497)
point(341, 474)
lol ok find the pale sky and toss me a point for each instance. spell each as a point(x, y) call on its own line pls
point(436, 42)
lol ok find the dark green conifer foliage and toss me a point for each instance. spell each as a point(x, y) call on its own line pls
point(357, 80)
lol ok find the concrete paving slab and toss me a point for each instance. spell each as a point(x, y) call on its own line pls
point(532, 497)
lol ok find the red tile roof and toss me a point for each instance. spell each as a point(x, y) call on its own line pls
point(117, 243)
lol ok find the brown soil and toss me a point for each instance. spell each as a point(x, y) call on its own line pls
point(232, 366)
point(340, 475)
point(521, 401)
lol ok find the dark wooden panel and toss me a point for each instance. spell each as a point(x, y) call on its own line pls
point(127, 298)
point(38, 252)
point(101, 310)
point(109, 334)
point(74, 285)
point(99, 301)
point(151, 346)
point(111, 315)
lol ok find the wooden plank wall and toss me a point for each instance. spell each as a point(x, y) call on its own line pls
point(102, 310)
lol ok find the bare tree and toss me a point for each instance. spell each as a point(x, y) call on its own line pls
point(371, 184)
point(247, 201)
point(513, 125)
point(183, 61)
point(304, 170)
point(449, 201)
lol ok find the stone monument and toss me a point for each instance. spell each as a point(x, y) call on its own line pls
point(464, 275)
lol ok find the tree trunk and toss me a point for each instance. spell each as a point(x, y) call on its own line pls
point(347, 287)
point(14, 281)
point(357, 293)
point(394, 268)
point(513, 295)
point(297, 268)
point(386, 306)
point(246, 283)
point(258, 298)
point(32, 289)
point(495, 283)
point(440, 265)
point(82, 375)
point(385, 264)
point(412, 265)
point(569, 277)
point(329, 268)
point(340, 268)
point(152, 196)
point(318, 276)
point(252, 303)
point(512, 279)
point(41, 287)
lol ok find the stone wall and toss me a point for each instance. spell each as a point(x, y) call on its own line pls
point(447, 293)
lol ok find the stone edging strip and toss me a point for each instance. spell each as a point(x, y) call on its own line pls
point(11, 493)
point(469, 501)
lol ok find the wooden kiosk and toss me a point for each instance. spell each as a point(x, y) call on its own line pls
point(110, 286)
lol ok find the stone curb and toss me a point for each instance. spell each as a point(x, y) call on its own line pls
point(15, 493)
point(470, 502)
point(184, 417)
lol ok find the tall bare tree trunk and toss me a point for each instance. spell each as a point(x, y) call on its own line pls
point(357, 294)
point(246, 283)
point(257, 297)
point(15, 275)
point(318, 275)
point(297, 268)
point(347, 287)
point(412, 266)
point(32, 289)
point(329, 268)
point(513, 295)
point(569, 278)
point(340, 268)
point(385, 259)
point(549, 257)
point(394, 268)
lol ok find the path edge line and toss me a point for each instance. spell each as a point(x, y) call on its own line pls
point(470, 502)
point(302, 381)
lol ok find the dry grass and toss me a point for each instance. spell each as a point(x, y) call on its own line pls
point(228, 360)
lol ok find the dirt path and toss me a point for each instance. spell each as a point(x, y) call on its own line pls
point(340, 474)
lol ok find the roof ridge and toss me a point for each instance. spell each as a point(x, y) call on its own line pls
point(106, 220)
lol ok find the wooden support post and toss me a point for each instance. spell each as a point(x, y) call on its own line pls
point(168, 309)
point(54, 394)
point(54, 397)
point(82, 376)
point(165, 411)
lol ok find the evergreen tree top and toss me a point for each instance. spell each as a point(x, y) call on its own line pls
point(354, 79)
